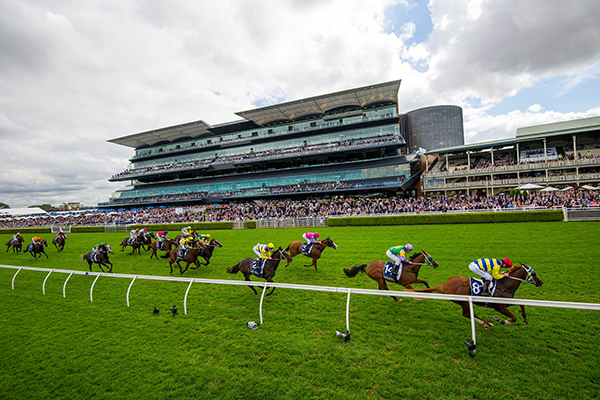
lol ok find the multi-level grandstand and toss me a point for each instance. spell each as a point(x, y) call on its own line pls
point(351, 142)
point(553, 157)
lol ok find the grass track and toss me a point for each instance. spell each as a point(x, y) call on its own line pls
point(71, 348)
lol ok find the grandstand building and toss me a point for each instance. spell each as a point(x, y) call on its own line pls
point(353, 142)
point(556, 156)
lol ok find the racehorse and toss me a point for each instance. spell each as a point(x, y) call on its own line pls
point(409, 274)
point(269, 270)
point(192, 255)
point(505, 287)
point(16, 246)
point(100, 258)
point(59, 242)
point(295, 248)
point(36, 249)
point(166, 246)
point(136, 244)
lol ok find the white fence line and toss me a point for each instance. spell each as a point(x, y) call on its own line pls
point(334, 289)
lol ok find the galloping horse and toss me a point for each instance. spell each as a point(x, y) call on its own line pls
point(100, 258)
point(409, 271)
point(136, 244)
point(59, 242)
point(505, 287)
point(16, 246)
point(295, 248)
point(207, 251)
point(166, 246)
point(194, 235)
point(269, 270)
point(36, 249)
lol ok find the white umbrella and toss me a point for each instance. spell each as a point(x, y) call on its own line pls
point(549, 189)
point(588, 187)
point(530, 186)
point(567, 188)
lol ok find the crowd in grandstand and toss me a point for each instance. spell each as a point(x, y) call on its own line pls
point(310, 208)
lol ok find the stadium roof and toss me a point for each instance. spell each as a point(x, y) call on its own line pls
point(190, 130)
point(16, 212)
point(319, 105)
point(361, 97)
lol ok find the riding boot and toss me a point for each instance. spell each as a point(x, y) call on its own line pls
point(485, 289)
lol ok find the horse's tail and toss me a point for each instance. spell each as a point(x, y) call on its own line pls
point(439, 289)
point(167, 255)
point(234, 270)
point(82, 257)
point(355, 270)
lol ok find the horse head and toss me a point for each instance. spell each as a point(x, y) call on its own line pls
point(429, 260)
point(44, 243)
point(215, 242)
point(283, 255)
point(106, 248)
point(329, 243)
point(528, 273)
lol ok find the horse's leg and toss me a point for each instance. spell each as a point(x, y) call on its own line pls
point(100, 266)
point(272, 290)
point(111, 266)
point(523, 314)
point(422, 281)
point(44, 253)
point(171, 264)
point(384, 286)
point(508, 313)
point(247, 278)
point(467, 314)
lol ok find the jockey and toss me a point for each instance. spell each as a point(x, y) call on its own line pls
point(263, 250)
point(16, 237)
point(398, 253)
point(36, 240)
point(489, 269)
point(187, 231)
point(133, 234)
point(97, 248)
point(311, 237)
point(204, 239)
point(162, 235)
point(186, 243)
point(60, 233)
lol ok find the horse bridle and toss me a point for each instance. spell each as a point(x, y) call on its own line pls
point(530, 275)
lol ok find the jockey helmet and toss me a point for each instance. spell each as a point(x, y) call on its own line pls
point(317, 234)
point(208, 235)
point(271, 246)
point(408, 247)
point(166, 232)
point(101, 244)
point(137, 230)
point(507, 262)
point(18, 234)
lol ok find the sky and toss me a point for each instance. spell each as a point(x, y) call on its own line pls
point(74, 74)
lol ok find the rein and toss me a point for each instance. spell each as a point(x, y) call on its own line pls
point(519, 279)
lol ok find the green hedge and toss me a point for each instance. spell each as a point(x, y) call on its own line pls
point(199, 226)
point(465, 218)
point(251, 224)
point(24, 231)
point(87, 229)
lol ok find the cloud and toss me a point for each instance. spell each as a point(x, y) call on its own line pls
point(75, 74)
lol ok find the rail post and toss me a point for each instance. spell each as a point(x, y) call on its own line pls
point(92, 287)
point(262, 296)
point(129, 288)
point(65, 285)
point(44, 284)
point(185, 298)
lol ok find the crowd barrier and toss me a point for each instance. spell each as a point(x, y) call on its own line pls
point(347, 291)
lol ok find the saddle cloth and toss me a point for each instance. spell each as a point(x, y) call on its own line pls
point(257, 267)
point(55, 240)
point(129, 241)
point(181, 254)
point(94, 257)
point(477, 286)
point(29, 247)
point(389, 274)
point(306, 248)
point(159, 245)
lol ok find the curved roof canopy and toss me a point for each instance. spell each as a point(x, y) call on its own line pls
point(319, 105)
point(190, 130)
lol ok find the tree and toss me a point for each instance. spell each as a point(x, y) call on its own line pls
point(45, 207)
point(2, 205)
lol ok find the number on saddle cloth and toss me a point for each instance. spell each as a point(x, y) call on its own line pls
point(130, 241)
point(181, 254)
point(306, 248)
point(94, 257)
point(29, 247)
point(257, 267)
point(159, 245)
point(477, 287)
point(390, 273)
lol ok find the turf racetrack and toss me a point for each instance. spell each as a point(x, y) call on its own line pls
point(55, 347)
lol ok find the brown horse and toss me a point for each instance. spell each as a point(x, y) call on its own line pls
point(137, 244)
point(193, 254)
point(295, 248)
point(505, 287)
point(269, 270)
point(59, 242)
point(409, 275)
point(166, 246)
point(16, 244)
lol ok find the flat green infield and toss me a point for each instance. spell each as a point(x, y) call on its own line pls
point(71, 348)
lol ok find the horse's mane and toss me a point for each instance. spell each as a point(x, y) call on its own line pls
point(415, 256)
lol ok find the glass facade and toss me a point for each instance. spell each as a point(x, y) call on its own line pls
point(435, 128)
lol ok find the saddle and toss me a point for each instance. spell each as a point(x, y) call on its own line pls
point(306, 248)
point(391, 272)
point(159, 245)
point(182, 253)
point(477, 287)
point(257, 267)
point(130, 241)
point(30, 247)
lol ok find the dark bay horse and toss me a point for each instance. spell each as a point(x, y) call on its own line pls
point(194, 235)
point(100, 258)
point(269, 269)
point(505, 287)
point(409, 275)
point(16, 246)
point(294, 249)
point(192, 256)
point(138, 243)
point(166, 246)
point(59, 242)
point(36, 249)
